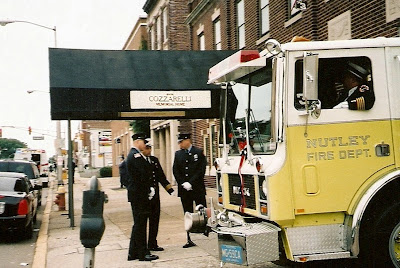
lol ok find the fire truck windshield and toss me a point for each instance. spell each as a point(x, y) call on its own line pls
point(248, 113)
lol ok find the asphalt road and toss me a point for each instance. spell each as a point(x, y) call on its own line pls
point(15, 252)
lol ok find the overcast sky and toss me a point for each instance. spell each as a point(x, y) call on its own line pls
point(86, 24)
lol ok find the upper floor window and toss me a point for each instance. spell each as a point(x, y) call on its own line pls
point(264, 16)
point(202, 42)
point(165, 23)
point(292, 8)
point(240, 24)
point(217, 34)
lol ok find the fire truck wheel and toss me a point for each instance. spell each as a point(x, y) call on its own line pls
point(386, 246)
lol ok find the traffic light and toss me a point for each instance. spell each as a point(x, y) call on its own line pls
point(29, 130)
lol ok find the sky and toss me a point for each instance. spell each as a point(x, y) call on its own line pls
point(24, 66)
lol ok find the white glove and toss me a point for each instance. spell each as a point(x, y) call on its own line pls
point(152, 193)
point(187, 186)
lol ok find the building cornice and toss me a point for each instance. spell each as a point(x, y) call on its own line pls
point(197, 11)
point(148, 6)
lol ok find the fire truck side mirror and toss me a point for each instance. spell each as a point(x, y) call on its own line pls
point(310, 84)
point(310, 77)
point(92, 222)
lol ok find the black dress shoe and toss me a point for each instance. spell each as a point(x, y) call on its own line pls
point(131, 258)
point(149, 257)
point(157, 248)
point(189, 244)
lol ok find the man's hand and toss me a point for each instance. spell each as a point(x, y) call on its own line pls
point(152, 193)
point(187, 186)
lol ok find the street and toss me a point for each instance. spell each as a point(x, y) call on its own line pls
point(15, 252)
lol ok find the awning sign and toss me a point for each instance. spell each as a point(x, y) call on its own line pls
point(189, 99)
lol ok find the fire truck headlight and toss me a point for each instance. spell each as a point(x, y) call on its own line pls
point(263, 188)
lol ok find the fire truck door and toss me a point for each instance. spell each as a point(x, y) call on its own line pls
point(332, 156)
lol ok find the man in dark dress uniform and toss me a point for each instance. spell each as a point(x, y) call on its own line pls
point(157, 177)
point(189, 168)
point(140, 193)
point(358, 93)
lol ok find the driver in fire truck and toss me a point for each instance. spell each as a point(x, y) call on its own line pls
point(357, 93)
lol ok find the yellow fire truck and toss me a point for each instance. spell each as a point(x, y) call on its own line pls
point(307, 172)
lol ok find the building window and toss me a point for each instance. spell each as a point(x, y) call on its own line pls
point(264, 16)
point(240, 23)
point(217, 34)
point(202, 42)
point(165, 23)
point(159, 35)
point(292, 9)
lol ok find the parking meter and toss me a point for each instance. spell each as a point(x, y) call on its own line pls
point(92, 223)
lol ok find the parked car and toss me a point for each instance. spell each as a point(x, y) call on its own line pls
point(27, 167)
point(18, 204)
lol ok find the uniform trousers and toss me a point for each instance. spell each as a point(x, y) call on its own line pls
point(138, 245)
point(187, 198)
point(154, 220)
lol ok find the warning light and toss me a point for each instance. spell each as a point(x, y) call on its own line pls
point(29, 130)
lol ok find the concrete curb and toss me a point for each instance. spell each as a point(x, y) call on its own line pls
point(40, 257)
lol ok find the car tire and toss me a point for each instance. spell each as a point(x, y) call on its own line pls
point(34, 218)
point(29, 230)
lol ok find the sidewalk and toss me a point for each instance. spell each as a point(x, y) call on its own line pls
point(59, 245)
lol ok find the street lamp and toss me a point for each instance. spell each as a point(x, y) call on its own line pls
point(58, 123)
point(5, 22)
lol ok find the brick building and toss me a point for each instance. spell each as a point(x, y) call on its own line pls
point(247, 24)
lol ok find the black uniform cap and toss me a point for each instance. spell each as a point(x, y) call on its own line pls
point(357, 70)
point(139, 136)
point(183, 136)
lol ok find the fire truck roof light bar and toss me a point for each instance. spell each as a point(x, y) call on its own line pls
point(235, 66)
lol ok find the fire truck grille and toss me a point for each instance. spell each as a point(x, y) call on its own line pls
point(235, 194)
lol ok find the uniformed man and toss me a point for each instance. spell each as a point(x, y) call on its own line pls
point(140, 193)
point(358, 94)
point(157, 177)
point(189, 168)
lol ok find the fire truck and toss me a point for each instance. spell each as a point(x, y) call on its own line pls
point(303, 174)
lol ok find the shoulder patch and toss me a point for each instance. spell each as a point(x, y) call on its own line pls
point(137, 155)
point(363, 88)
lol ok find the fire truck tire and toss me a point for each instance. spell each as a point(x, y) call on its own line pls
point(385, 243)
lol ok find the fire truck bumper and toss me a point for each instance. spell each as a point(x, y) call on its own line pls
point(248, 244)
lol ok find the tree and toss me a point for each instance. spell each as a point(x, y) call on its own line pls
point(8, 147)
point(141, 126)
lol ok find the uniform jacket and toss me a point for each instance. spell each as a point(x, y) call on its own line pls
point(363, 98)
point(190, 167)
point(157, 177)
point(139, 174)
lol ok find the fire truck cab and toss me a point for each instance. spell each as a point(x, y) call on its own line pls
point(307, 171)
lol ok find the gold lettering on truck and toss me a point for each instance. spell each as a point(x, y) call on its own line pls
point(345, 145)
